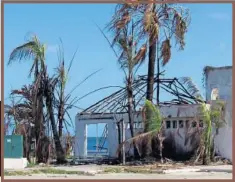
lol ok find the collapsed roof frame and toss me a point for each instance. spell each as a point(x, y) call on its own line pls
point(118, 101)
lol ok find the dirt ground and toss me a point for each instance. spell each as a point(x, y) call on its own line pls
point(188, 175)
point(190, 172)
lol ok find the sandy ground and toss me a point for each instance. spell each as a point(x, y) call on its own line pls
point(198, 172)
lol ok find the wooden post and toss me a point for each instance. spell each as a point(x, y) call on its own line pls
point(123, 146)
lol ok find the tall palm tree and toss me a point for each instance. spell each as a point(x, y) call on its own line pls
point(62, 79)
point(35, 51)
point(43, 89)
point(159, 24)
point(63, 99)
point(129, 59)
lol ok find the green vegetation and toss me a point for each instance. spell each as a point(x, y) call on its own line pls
point(211, 117)
point(153, 132)
point(130, 170)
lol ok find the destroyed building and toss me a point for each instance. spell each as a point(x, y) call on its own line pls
point(179, 115)
point(218, 85)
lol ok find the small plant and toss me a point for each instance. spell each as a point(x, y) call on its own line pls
point(213, 117)
point(153, 131)
point(153, 124)
point(31, 164)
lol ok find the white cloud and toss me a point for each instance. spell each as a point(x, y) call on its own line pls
point(219, 16)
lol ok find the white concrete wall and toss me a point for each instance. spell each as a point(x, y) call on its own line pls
point(175, 112)
point(221, 78)
point(112, 139)
point(11, 163)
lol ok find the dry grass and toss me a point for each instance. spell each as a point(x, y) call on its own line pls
point(126, 170)
point(45, 171)
point(153, 168)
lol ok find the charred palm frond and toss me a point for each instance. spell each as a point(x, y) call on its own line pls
point(165, 51)
point(191, 87)
point(155, 23)
point(152, 20)
point(180, 30)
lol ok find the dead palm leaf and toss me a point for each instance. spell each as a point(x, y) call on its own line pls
point(165, 51)
point(191, 87)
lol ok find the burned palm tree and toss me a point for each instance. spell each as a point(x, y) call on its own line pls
point(49, 85)
point(21, 114)
point(159, 24)
point(62, 102)
point(43, 88)
point(33, 50)
point(130, 58)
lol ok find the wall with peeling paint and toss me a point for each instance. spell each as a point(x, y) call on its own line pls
point(181, 136)
point(221, 79)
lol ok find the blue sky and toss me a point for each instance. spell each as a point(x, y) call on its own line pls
point(208, 42)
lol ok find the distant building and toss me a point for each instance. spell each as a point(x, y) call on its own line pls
point(218, 83)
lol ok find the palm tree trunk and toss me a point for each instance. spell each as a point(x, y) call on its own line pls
point(151, 64)
point(28, 143)
point(119, 139)
point(158, 75)
point(130, 112)
point(38, 125)
point(60, 118)
point(61, 111)
point(151, 69)
point(59, 150)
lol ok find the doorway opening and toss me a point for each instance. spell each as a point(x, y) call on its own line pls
point(97, 144)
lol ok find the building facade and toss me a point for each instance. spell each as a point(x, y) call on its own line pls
point(180, 124)
point(218, 85)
